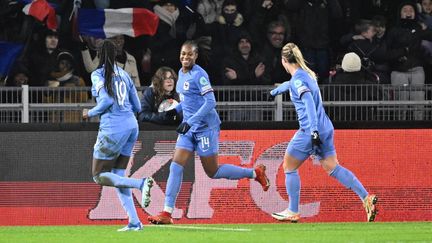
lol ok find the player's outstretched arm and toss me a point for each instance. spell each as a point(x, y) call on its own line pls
point(284, 87)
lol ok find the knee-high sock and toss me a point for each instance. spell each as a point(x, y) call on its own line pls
point(349, 180)
point(125, 196)
point(233, 172)
point(174, 182)
point(111, 179)
point(292, 184)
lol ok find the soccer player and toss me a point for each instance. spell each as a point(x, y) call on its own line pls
point(117, 100)
point(315, 137)
point(199, 131)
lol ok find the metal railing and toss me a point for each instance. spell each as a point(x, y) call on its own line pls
point(234, 103)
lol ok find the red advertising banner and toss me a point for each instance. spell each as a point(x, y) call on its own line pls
point(395, 164)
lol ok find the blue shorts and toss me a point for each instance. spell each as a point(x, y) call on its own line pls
point(206, 143)
point(300, 146)
point(110, 146)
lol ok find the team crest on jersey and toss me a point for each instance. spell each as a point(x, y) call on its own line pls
point(186, 85)
point(203, 81)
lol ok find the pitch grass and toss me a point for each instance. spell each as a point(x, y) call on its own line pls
point(306, 232)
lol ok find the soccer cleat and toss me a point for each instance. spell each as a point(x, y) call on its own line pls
point(261, 177)
point(131, 227)
point(145, 191)
point(287, 215)
point(370, 207)
point(162, 218)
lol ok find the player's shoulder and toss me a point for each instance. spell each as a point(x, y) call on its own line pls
point(97, 76)
point(198, 71)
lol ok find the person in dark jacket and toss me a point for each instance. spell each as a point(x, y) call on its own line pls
point(159, 100)
point(407, 66)
point(353, 84)
point(245, 66)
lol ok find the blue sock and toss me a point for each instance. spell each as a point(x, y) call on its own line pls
point(292, 184)
point(111, 179)
point(174, 182)
point(233, 172)
point(349, 180)
point(125, 196)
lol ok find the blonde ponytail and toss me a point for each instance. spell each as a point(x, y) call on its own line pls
point(293, 54)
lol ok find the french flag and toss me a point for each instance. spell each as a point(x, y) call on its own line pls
point(106, 23)
point(41, 10)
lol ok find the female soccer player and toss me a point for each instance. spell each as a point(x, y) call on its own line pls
point(199, 131)
point(117, 100)
point(315, 137)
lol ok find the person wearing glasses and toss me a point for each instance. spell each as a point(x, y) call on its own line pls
point(276, 38)
point(160, 98)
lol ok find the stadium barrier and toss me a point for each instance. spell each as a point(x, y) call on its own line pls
point(45, 172)
point(234, 103)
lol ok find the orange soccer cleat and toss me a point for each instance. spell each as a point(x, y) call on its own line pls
point(261, 177)
point(162, 218)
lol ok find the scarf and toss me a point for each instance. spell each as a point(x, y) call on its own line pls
point(65, 77)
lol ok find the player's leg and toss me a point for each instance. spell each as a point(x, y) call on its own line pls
point(296, 153)
point(182, 154)
point(207, 146)
point(125, 196)
point(331, 165)
point(292, 186)
point(106, 151)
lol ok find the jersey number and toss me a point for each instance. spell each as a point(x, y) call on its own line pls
point(205, 143)
point(121, 92)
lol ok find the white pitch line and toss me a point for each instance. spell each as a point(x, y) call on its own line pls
point(200, 228)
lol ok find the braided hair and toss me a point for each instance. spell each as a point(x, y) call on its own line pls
point(107, 56)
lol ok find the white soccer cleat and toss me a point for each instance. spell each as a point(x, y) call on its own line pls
point(286, 215)
point(145, 192)
point(131, 227)
point(369, 203)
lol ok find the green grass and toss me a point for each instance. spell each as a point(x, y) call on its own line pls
point(306, 232)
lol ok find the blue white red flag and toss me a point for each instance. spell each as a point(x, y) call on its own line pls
point(106, 23)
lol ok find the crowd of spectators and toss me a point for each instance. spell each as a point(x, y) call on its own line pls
point(240, 41)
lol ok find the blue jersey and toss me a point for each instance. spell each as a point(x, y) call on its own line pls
point(197, 100)
point(116, 113)
point(309, 107)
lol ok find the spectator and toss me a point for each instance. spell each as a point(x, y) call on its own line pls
point(367, 47)
point(406, 53)
point(154, 97)
point(175, 26)
point(382, 66)
point(19, 76)
point(258, 14)
point(276, 38)
point(312, 32)
point(209, 10)
point(123, 59)
point(65, 77)
point(244, 66)
point(43, 60)
point(356, 84)
point(426, 19)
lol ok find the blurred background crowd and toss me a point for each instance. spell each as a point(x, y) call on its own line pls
point(388, 41)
